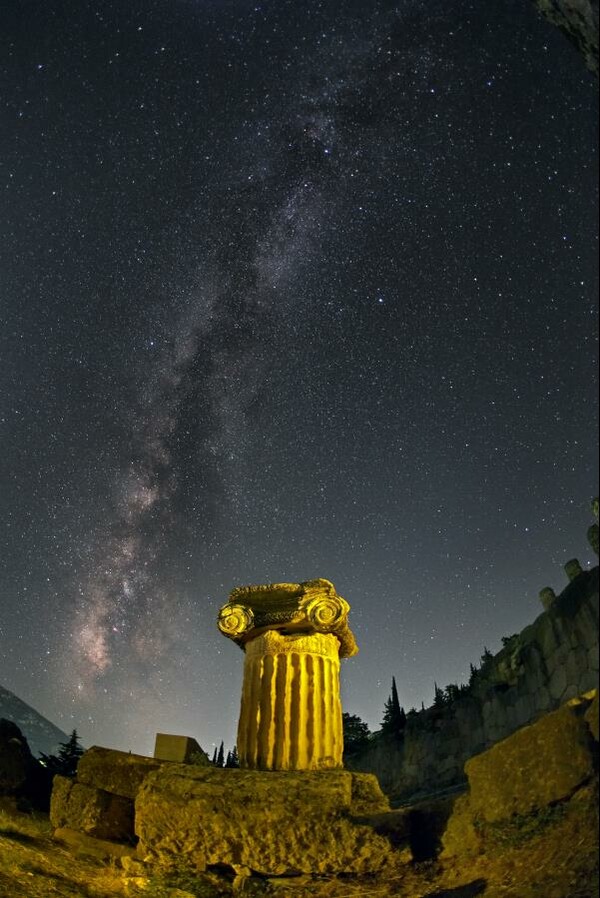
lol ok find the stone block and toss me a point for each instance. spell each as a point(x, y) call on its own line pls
point(449, 747)
point(537, 765)
point(273, 823)
point(536, 672)
point(570, 692)
point(473, 738)
point(88, 846)
point(547, 597)
point(366, 796)
point(588, 680)
point(89, 810)
point(542, 700)
point(460, 836)
point(573, 569)
point(113, 771)
point(558, 683)
point(447, 764)
point(182, 749)
point(523, 711)
point(591, 716)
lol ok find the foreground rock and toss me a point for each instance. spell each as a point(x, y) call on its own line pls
point(536, 766)
point(100, 802)
point(15, 758)
point(91, 811)
point(276, 823)
point(21, 775)
point(533, 771)
point(117, 772)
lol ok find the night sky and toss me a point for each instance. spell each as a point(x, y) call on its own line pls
point(288, 290)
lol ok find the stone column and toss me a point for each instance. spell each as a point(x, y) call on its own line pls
point(293, 636)
point(291, 714)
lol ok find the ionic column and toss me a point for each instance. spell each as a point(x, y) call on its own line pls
point(293, 635)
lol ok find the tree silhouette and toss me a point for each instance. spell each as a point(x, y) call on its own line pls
point(394, 718)
point(65, 763)
point(487, 655)
point(356, 734)
point(220, 762)
point(452, 693)
point(232, 760)
point(439, 698)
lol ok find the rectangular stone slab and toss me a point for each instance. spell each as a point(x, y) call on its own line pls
point(91, 811)
point(183, 749)
point(272, 823)
point(114, 771)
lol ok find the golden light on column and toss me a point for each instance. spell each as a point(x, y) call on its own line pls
point(293, 635)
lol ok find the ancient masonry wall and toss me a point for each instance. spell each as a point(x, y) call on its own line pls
point(549, 662)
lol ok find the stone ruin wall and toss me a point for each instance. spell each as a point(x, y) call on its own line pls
point(549, 662)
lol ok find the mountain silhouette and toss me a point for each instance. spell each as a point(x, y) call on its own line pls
point(41, 734)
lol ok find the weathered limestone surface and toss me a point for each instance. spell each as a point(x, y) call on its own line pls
point(271, 823)
point(91, 811)
point(291, 714)
point(537, 765)
point(549, 662)
point(89, 846)
point(553, 760)
point(461, 836)
point(114, 771)
point(309, 607)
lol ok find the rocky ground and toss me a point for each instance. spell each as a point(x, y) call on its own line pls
point(526, 826)
point(549, 854)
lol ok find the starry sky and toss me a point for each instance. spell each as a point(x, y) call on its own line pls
point(288, 290)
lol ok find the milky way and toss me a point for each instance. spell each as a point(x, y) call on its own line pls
point(240, 289)
point(291, 292)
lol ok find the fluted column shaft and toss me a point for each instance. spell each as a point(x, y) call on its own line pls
point(291, 714)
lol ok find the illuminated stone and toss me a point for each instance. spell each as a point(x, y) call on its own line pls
point(293, 635)
point(275, 824)
point(168, 747)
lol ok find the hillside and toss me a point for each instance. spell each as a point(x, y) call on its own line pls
point(41, 734)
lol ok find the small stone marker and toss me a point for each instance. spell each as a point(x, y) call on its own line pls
point(573, 569)
point(176, 748)
point(547, 597)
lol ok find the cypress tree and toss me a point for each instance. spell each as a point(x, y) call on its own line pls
point(232, 758)
point(439, 699)
point(394, 717)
